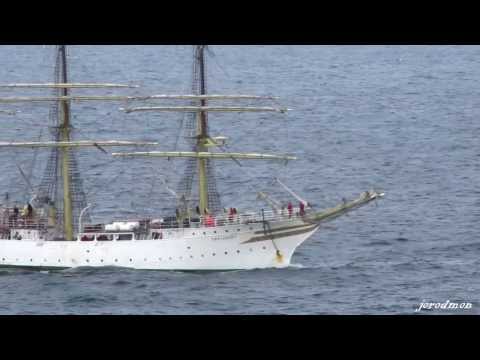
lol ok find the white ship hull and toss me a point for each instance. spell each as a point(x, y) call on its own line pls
point(232, 247)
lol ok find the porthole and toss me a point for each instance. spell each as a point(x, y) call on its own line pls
point(88, 251)
point(215, 232)
point(59, 260)
point(88, 261)
point(202, 255)
point(44, 260)
point(214, 254)
point(188, 247)
point(145, 259)
point(193, 234)
point(238, 251)
point(226, 252)
point(3, 259)
point(116, 260)
point(101, 260)
point(31, 260)
point(226, 230)
point(191, 256)
point(204, 233)
point(238, 229)
point(251, 249)
point(169, 258)
point(131, 260)
point(264, 248)
point(251, 228)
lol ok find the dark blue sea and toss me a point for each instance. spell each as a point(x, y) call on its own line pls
point(402, 119)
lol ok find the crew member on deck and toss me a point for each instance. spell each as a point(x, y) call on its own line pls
point(290, 209)
point(302, 208)
point(209, 221)
point(16, 212)
point(29, 210)
point(52, 214)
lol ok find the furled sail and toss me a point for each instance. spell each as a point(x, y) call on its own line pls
point(206, 155)
point(67, 86)
point(18, 99)
point(207, 108)
point(71, 144)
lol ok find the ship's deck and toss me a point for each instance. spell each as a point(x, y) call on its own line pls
point(11, 223)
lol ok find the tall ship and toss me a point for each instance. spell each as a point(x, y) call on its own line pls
point(54, 230)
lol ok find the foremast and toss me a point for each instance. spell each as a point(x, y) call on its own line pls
point(200, 164)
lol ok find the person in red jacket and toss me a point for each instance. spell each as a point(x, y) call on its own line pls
point(302, 208)
point(290, 209)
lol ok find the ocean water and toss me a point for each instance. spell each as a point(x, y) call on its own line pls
point(403, 119)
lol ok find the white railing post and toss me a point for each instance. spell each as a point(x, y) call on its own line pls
point(80, 228)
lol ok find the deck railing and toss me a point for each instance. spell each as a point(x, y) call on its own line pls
point(9, 219)
point(225, 219)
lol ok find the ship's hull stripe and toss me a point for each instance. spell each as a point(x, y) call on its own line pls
point(275, 230)
point(274, 236)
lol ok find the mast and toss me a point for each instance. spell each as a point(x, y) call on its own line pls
point(202, 134)
point(195, 131)
point(64, 128)
point(61, 189)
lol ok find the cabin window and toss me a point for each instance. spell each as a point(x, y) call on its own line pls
point(87, 238)
point(157, 235)
point(124, 237)
point(105, 237)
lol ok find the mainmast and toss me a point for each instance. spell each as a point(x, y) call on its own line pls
point(61, 189)
point(202, 134)
point(64, 128)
